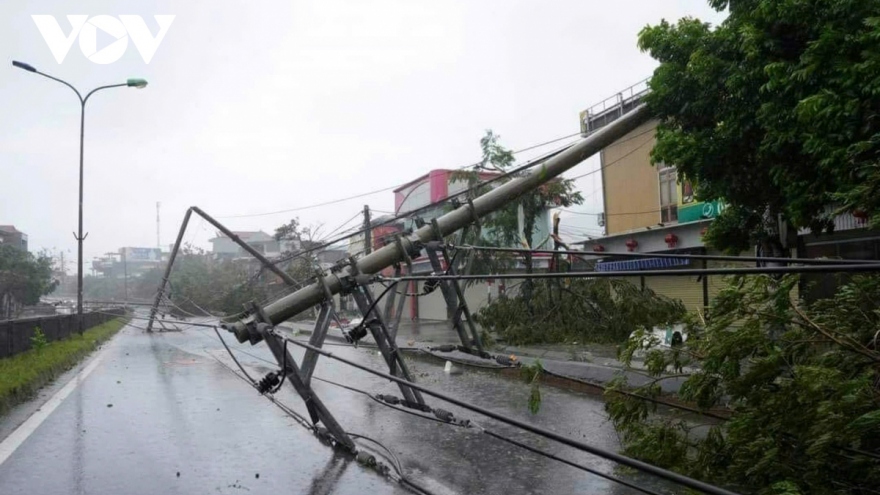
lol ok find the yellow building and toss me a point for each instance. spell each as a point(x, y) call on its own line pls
point(648, 210)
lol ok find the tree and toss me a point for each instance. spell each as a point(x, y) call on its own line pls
point(804, 406)
point(516, 223)
point(302, 264)
point(775, 112)
point(584, 310)
point(24, 278)
point(105, 288)
point(198, 282)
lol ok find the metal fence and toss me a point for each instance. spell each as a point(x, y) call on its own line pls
point(15, 335)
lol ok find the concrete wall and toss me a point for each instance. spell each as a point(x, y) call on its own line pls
point(15, 335)
point(433, 306)
point(629, 182)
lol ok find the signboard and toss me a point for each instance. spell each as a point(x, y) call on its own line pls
point(699, 211)
point(142, 254)
point(691, 210)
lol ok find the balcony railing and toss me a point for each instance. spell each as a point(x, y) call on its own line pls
point(613, 107)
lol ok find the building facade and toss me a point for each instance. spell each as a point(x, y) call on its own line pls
point(851, 239)
point(10, 236)
point(648, 209)
point(224, 248)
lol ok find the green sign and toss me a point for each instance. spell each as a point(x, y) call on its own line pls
point(699, 211)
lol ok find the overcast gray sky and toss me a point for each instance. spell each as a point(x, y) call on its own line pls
point(262, 106)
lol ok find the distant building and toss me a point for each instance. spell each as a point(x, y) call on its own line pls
point(130, 261)
point(10, 236)
point(329, 257)
point(263, 243)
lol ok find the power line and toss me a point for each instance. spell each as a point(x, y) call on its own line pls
point(302, 420)
point(613, 456)
point(570, 463)
point(432, 205)
point(449, 198)
point(620, 158)
point(500, 437)
point(683, 256)
point(335, 201)
point(318, 205)
point(688, 272)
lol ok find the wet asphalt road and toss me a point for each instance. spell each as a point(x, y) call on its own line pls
point(158, 405)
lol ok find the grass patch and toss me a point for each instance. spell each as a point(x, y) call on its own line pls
point(23, 374)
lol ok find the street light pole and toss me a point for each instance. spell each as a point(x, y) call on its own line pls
point(131, 83)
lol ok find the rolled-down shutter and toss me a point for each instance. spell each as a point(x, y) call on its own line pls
point(687, 289)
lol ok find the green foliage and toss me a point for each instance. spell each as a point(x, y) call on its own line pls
point(24, 276)
point(38, 339)
point(802, 385)
point(23, 374)
point(106, 288)
point(774, 111)
point(199, 281)
point(531, 373)
point(295, 231)
point(579, 310)
point(514, 225)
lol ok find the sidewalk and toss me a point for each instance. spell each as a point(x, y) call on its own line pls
point(584, 364)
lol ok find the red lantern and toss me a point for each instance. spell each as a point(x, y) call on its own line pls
point(598, 248)
point(631, 245)
point(671, 240)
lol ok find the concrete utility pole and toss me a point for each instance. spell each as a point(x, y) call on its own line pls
point(289, 306)
point(368, 237)
point(355, 277)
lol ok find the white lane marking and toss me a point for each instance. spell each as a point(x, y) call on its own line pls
point(17, 437)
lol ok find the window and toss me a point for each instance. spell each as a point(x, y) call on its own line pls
point(668, 195)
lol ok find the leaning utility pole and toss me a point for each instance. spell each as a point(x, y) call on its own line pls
point(361, 271)
point(356, 277)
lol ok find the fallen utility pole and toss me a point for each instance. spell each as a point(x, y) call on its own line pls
point(228, 233)
point(354, 277)
point(360, 272)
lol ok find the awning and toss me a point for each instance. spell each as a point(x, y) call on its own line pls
point(640, 264)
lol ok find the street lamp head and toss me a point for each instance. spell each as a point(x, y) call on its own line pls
point(22, 65)
point(137, 83)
